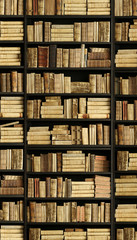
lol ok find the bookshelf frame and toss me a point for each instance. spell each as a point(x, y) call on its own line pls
point(42, 148)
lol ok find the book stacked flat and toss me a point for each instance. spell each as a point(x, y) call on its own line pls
point(14, 7)
point(126, 135)
point(126, 110)
point(11, 107)
point(98, 7)
point(33, 108)
point(74, 235)
point(132, 161)
point(83, 189)
point(98, 233)
point(12, 232)
point(99, 57)
point(61, 33)
point(99, 163)
point(126, 185)
point(68, 212)
point(126, 86)
point(102, 187)
point(126, 232)
point(122, 31)
point(12, 185)
point(35, 32)
point(10, 30)
point(52, 108)
point(11, 159)
point(99, 83)
point(38, 135)
point(10, 56)
point(61, 135)
point(125, 8)
point(73, 161)
point(51, 234)
point(98, 107)
point(12, 211)
point(74, 7)
point(11, 134)
point(126, 213)
point(126, 58)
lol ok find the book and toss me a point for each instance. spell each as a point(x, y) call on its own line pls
point(10, 30)
point(11, 8)
point(125, 135)
point(11, 159)
point(126, 186)
point(11, 185)
point(11, 107)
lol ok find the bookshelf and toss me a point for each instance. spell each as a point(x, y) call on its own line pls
point(77, 74)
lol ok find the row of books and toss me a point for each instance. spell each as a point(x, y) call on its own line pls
point(72, 161)
point(51, 56)
point(68, 212)
point(77, 32)
point(11, 82)
point(126, 135)
point(11, 30)
point(94, 134)
point(97, 187)
point(126, 161)
point(126, 86)
point(11, 185)
point(53, 107)
point(11, 107)
point(14, 7)
point(126, 232)
point(50, 82)
point(126, 110)
point(11, 132)
point(125, 31)
point(12, 211)
point(125, 8)
point(126, 213)
point(12, 232)
point(72, 7)
point(126, 185)
point(11, 159)
point(71, 233)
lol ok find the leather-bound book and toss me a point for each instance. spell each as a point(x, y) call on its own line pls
point(52, 55)
point(43, 56)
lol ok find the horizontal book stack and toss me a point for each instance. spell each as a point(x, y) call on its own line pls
point(77, 32)
point(98, 107)
point(99, 57)
point(11, 82)
point(126, 161)
point(10, 56)
point(74, 235)
point(126, 185)
point(35, 32)
point(98, 233)
point(11, 107)
point(126, 86)
point(33, 108)
point(133, 31)
point(72, 161)
point(126, 110)
point(68, 188)
point(102, 187)
point(122, 31)
point(12, 232)
point(11, 185)
point(12, 211)
point(14, 7)
point(38, 135)
point(126, 135)
point(59, 83)
point(99, 83)
point(51, 234)
point(98, 7)
point(68, 212)
point(72, 57)
point(72, 7)
point(126, 213)
point(125, 8)
point(10, 30)
point(11, 133)
point(61, 135)
point(126, 232)
point(11, 159)
point(52, 108)
point(126, 58)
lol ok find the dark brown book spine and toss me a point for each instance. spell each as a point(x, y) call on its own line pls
point(52, 55)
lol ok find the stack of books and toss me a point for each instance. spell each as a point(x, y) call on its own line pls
point(126, 185)
point(10, 30)
point(102, 187)
point(11, 185)
point(126, 213)
point(11, 133)
point(38, 135)
point(11, 107)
